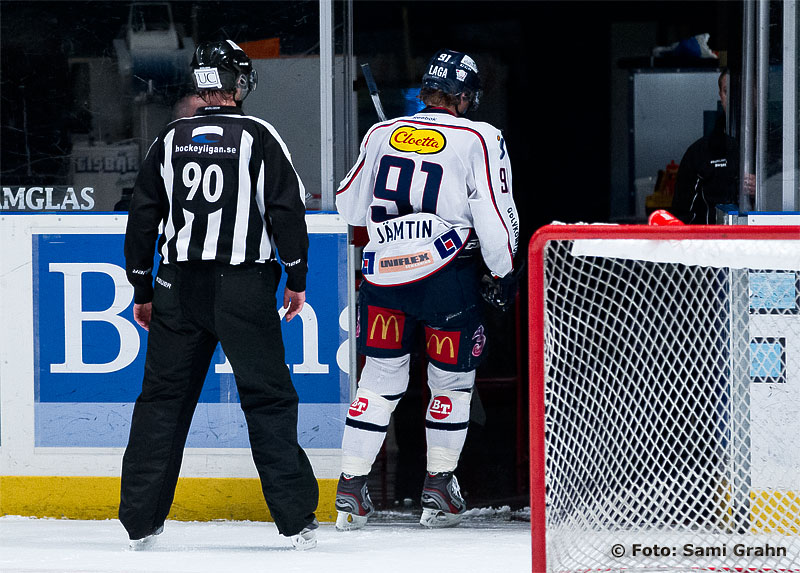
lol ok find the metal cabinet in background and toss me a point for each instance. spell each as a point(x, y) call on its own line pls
point(669, 109)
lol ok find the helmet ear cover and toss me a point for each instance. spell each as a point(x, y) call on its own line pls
point(247, 83)
point(474, 99)
point(252, 80)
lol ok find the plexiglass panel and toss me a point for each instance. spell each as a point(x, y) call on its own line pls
point(87, 86)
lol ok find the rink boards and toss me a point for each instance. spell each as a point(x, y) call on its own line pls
point(71, 362)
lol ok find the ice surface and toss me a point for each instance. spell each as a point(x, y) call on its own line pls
point(486, 541)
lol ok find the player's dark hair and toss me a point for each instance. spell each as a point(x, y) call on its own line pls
point(206, 95)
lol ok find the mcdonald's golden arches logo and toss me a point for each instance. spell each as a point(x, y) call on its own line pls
point(385, 328)
point(442, 345)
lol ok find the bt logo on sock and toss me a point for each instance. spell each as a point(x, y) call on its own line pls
point(358, 407)
point(441, 407)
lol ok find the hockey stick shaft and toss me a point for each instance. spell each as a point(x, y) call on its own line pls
point(373, 91)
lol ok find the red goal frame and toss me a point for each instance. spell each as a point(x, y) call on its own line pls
point(536, 330)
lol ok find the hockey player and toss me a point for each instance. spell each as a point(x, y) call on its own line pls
point(434, 191)
point(224, 188)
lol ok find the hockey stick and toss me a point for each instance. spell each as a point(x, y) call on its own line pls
point(373, 91)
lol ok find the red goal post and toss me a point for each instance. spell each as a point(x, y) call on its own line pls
point(656, 440)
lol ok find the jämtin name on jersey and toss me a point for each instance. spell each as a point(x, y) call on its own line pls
point(398, 230)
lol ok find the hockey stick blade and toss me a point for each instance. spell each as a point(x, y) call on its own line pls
point(373, 91)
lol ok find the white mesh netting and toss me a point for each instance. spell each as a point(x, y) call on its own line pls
point(672, 409)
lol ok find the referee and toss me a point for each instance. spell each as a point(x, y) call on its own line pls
point(224, 188)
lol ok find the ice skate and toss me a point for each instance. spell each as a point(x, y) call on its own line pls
point(353, 503)
point(146, 542)
point(307, 538)
point(442, 504)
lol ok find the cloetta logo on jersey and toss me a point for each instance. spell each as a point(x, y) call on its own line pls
point(412, 140)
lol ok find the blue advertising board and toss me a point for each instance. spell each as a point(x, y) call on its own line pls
point(89, 352)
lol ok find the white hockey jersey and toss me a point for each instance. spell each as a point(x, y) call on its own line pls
point(423, 186)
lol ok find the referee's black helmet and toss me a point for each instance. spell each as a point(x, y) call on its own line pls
point(223, 66)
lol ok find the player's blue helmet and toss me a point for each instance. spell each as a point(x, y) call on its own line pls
point(454, 73)
point(223, 66)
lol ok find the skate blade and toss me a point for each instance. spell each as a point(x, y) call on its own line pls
point(145, 543)
point(434, 518)
point(304, 543)
point(142, 544)
point(348, 521)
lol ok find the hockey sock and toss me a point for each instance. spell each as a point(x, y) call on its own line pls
point(383, 381)
point(447, 418)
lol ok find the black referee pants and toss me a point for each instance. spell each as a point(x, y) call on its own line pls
point(195, 305)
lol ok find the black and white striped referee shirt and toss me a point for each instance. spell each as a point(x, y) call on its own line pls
point(224, 187)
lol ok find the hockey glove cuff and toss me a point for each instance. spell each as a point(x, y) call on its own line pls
point(499, 293)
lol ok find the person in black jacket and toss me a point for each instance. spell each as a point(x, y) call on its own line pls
point(224, 188)
point(708, 174)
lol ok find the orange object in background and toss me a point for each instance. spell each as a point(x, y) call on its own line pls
point(665, 188)
point(262, 49)
point(670, 177)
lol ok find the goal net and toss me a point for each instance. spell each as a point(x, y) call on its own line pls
point(665, 398)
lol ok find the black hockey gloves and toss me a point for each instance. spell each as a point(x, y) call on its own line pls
point(499, 293)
